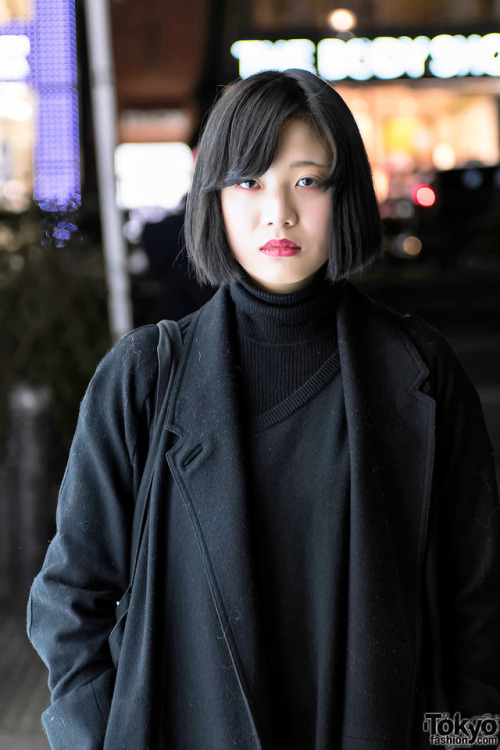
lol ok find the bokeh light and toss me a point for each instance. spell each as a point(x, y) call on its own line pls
point(424, 196)
point(342, 19)
point(412, 246)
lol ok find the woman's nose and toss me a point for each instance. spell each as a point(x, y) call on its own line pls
point(278, 210)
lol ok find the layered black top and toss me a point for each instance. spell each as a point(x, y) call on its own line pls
point(298, 466)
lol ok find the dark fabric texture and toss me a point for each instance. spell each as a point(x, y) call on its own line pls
point(300, 513)
point(423, 612)
point(292, 393)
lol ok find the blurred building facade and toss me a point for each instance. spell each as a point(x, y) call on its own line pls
point(418, 77)
point(171, 60)
point(424, 88)
point(283, 13)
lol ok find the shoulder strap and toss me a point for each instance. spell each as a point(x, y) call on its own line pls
point(169, 348)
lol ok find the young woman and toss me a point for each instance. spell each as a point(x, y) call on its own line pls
point(319, 566)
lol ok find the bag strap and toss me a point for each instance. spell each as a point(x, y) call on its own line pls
point(169, 349)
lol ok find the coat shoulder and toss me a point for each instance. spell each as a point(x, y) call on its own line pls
point(432, 345)
point(423, 341)
point(446, 378)
point(120, 396)
point(445, 368)
point(134, 350)
point(132, 362)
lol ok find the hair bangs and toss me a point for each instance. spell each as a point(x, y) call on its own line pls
point(249, 136)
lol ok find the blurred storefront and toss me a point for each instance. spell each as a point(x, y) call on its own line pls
point(412, 128)
point(422, 79)
point(16, 112)
point(426, 100)
point(416, 115)
point(39, 128)
point(423, 102)
point(160, 60)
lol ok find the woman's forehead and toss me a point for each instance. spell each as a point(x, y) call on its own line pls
point(299, 139)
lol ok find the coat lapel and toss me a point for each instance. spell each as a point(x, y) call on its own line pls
point(391, 439)
point(207, 462)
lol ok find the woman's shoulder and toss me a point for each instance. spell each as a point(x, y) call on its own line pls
point(445, 370)
point(429, 341)
point(125, 379)
point(134, 354)
point(417, 336)
point(128, 373)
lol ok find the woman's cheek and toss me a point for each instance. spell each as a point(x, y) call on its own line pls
point(320, 212)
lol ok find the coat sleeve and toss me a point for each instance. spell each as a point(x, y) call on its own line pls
point(467, 550)
point(71, 608)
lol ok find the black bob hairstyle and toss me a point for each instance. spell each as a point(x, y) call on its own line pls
point(239, 143)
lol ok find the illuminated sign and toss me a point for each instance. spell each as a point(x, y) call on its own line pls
point(41, 51)
point(443, 56)
point(14, 51)
point(255, 55)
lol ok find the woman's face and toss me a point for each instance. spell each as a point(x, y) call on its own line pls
point(279, 225)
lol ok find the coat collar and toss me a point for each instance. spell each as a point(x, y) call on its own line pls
point(369, 338)
point(390, 429)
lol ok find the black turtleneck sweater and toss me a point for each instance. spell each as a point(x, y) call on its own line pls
point(283, 339)
point(298, 475)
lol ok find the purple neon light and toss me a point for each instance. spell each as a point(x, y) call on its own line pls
point(53, 76)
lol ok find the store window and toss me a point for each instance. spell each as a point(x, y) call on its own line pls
point(412, 131)
point(16, 111)
point(16, 138)
point(39, 136)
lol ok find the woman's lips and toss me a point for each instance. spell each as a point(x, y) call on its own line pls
point(280, 248)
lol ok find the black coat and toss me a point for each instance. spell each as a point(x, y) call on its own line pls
point(423, 619)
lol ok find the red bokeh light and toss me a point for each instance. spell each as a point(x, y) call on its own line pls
point(424, 195)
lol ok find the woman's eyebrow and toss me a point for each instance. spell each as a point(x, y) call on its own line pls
point(307, 163)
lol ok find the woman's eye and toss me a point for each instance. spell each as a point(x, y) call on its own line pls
point(249, 184)
point(307, 182)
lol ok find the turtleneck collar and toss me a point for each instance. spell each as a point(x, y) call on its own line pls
point(298, 317)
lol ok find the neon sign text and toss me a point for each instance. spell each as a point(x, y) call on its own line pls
point(443, 56)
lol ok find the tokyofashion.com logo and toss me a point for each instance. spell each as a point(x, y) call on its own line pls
point(460, 731)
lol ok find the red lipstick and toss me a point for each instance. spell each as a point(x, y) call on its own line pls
point(280, 248)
